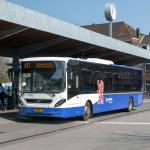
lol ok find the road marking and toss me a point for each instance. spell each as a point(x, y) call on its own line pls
point(126, 123)
point(146, 101)
point(83, 122)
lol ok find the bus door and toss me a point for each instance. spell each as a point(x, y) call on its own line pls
point(73, 88)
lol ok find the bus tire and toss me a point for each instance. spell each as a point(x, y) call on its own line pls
point(87, 111)
point(130, 105)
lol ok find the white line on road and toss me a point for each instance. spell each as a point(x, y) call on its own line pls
point(126, 123)
point(146, 101)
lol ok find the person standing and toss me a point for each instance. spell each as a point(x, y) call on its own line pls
point(2, 96)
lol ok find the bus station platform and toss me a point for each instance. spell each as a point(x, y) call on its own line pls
point(7, 112)
point(7, 117)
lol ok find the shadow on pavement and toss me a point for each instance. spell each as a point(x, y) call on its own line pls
point(13, 115)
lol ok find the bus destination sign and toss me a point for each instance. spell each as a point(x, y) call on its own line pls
point(38, 65)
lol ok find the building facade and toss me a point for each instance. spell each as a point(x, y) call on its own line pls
point(126, 33)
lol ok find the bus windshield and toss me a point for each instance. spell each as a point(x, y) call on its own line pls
point(43, 77)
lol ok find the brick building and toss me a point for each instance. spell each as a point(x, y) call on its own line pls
point(146, 66)
point(126, 33)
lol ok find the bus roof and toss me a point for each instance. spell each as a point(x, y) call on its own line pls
point(93, 60)
point(66, 59)
point(46, 59)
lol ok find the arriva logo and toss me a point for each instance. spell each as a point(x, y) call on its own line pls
point(109, 100)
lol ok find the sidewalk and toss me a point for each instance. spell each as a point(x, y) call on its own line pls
point(146, 97)
point(9, 111)
point(8, 116)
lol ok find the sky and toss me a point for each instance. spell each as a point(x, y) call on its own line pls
point(136, 13)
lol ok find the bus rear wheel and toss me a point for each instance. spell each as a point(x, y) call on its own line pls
point(130, 105)
point(87, 111)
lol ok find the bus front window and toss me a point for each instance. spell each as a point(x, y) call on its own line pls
point(43, 77)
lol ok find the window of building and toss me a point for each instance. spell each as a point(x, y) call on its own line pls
point(147, 67)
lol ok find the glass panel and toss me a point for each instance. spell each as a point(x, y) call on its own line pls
point(147, 67)
point(43, 77)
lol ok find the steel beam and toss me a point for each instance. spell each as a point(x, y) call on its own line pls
point(107, 54)
point(28, 50)
point(12, 31)
point(79, 50)
point(123, 58)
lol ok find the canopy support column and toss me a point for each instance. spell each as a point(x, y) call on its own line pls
point(15, 80)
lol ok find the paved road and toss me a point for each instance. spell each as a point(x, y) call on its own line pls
point(119, 131)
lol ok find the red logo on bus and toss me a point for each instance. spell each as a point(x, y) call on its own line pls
point(100, 91)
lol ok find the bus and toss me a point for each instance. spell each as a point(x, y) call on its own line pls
point(71, 87)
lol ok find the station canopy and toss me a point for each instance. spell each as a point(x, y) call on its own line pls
point(28, 33)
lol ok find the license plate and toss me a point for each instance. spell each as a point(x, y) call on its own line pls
point(38, 110)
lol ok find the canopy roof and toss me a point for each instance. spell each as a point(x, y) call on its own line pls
point(27, 33)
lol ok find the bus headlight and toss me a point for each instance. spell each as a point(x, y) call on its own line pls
point(59, 103)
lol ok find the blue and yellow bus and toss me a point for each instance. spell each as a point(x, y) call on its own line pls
point(69, 87)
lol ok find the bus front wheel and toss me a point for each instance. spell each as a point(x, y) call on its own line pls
point(130, 105)
point(87, 111)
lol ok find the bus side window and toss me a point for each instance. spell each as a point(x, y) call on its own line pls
point(77, 81)
point(96, 76)
point(73, 80)
point(107, 77)
point(86, 83)
point(73, 83)
point(70, 79)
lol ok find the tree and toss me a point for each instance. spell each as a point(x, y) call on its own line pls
point(4, 68)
